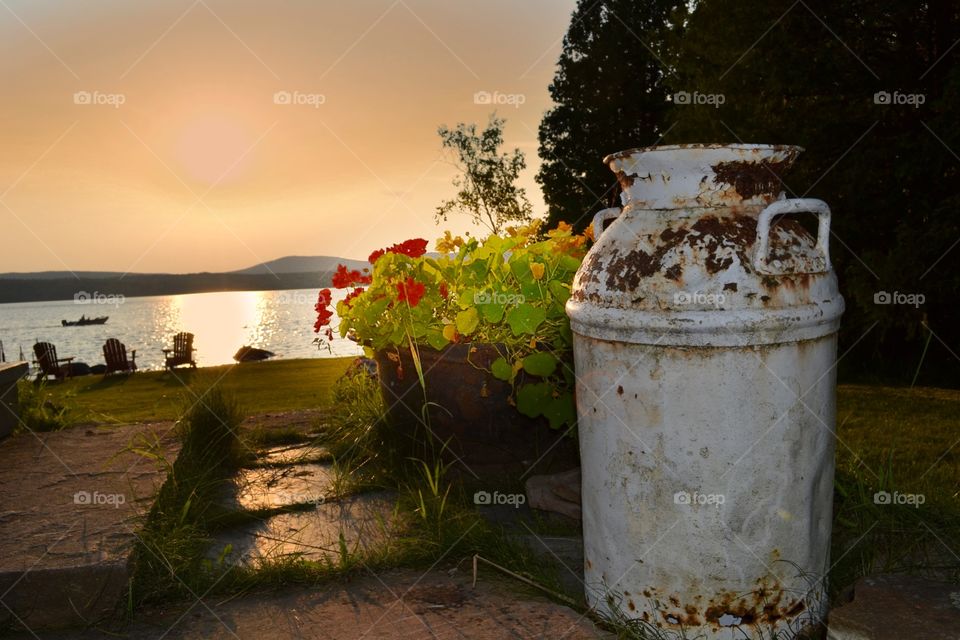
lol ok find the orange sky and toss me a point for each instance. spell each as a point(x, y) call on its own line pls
point(177, 157)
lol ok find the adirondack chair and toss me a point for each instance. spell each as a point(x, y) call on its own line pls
point(182, 352)
point(49, 364)
point(115, 355)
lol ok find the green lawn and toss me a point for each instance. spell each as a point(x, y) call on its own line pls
point(261, 387)
point(912, 434)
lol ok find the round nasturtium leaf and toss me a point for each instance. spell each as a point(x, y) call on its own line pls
point(534, 399)
point(467, 321)
point(501, 369)
point(525, 318)
point(540, 364)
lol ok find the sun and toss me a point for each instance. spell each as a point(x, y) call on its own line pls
point(214, 148)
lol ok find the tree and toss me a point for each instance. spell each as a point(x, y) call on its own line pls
point(871, 89)
point(610, 95)
point(487, 189)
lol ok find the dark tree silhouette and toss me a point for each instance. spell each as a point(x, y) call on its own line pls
point(610, 95)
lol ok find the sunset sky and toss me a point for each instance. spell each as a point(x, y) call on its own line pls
point(145, 136)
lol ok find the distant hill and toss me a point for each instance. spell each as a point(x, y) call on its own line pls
point(291, 272)
point(302, 264)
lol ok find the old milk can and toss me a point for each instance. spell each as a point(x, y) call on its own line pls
point(705, 321)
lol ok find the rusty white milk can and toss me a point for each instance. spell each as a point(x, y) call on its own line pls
point(705, 321)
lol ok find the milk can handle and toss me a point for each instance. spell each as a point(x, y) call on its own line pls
point(602, 216)
point(794, 205)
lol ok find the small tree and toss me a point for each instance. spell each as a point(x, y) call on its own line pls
point(487, 192)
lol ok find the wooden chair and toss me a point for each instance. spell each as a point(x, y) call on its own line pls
point(182, 352)
point(49, 364)
point(115, 355)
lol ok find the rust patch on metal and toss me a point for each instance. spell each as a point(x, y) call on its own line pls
point(625, 181)
point(751, 179)
point(590, 272)
point(730, 286)
point(625, 272)
point(736, 232)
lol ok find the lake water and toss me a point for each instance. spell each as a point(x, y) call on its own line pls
point(222, 322)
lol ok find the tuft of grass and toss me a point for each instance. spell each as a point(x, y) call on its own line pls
point(41, 410)
point(169, 558)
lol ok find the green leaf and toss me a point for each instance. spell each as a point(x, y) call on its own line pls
point(436, 339)
point(525, 318)
point(375, 310)
point(540, 364)
point(533, 399)
point(561, 411)
point(467, 321)
point(502, 370)
point(492, 312)
point(560, 291)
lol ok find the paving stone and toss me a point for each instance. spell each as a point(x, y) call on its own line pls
point(70, 503)
point(391, 604)
point(294, 454)
point(897, 607)
point(364, 521)
point(264, 488)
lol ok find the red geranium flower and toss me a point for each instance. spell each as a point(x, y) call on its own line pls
point(343, 278)
point(411, 291)
point(414, 248)
point(323, 311)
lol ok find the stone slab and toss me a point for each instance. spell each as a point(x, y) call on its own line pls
point(10, 374)
point(268, 487)
point(363, 520)
point(897, 607)
point(70, 504)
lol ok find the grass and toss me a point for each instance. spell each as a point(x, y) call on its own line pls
point(898, 441)
point(147, 396)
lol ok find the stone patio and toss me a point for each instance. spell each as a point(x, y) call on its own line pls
point(389, 604)
point(70, 502)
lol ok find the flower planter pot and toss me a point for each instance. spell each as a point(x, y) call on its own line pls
point(469, 411)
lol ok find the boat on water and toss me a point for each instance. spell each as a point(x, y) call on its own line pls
point(84, 321)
